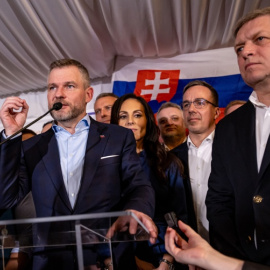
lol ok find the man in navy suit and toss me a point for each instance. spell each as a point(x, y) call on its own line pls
point(238, 199)
point(79, 166)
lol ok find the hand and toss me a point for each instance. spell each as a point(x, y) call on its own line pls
point(11, 120)
point(127, 222)
point(191, 252)
point(197, 252)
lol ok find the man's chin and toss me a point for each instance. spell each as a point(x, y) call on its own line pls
point(58, 116)
point(63, 116)
point(170, 134)
point(62, 119)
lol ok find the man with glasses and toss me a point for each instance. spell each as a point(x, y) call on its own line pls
point(171, 125)
point(200, 110)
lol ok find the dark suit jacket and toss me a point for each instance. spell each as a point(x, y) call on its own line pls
point(107, 184)
point(181, 151)
point(254, 266)
point(238, 199)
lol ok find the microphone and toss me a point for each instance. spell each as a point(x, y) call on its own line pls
point(56, 106)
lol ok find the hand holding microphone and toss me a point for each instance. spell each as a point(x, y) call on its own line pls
point(13, 120)
point(13, 114)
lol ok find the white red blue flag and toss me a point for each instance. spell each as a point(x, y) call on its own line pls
point(159, 80)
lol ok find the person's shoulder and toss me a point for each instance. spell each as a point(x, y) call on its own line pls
point(180, 148)
point(37, 138)
point(237, 117)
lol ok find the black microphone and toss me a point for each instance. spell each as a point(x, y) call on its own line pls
point(56, 106)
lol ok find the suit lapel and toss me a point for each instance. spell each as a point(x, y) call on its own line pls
point(247, 134)
point(249, 146)
point(266, 159)
point(184, 154)
point(50, 153)
point(96, 142)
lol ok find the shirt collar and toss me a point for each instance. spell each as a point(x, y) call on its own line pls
point(166, 147)
point(254, 100)
point(83, 124)
point(209, 138)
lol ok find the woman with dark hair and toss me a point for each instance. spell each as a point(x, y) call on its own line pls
point(163, 169)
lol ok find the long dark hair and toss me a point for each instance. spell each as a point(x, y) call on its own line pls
point(158, 158)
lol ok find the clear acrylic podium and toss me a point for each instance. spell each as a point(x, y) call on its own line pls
point(94, 230)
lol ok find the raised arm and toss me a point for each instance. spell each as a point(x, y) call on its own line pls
point(10, 153)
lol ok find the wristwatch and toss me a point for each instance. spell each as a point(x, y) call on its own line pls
point(171, 266)
point(107, 266)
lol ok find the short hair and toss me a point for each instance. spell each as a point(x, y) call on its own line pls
point(169, 105)
point(249, 17)
point(205, 84)
point(102, 95)
point(66, 62)
point(232, 103)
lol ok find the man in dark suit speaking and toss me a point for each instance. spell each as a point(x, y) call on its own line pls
point(79, 166)
point(238, 199)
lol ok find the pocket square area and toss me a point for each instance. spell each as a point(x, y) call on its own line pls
point(109, 156)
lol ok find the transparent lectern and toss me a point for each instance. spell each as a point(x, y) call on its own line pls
point(93, 232)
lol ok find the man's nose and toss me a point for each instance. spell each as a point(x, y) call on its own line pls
point(191, 108)
point(169, 121)
point(103, 112)
point(60, 92)
point(248, 49)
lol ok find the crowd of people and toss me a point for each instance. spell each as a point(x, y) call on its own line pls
point(213, 178)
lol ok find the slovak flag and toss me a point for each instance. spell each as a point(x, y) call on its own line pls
point(159, 80)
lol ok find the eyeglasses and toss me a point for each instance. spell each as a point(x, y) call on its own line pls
point(199, 103)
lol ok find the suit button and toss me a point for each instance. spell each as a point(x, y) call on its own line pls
point(257, 199)
point(249, 240)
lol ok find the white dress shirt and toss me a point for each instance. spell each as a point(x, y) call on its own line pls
point(262, 126)
point(199, 161)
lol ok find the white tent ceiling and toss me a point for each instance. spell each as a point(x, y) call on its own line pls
point(33, 33)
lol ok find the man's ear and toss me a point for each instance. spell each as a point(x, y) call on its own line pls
point(89, 92)
point(217, 112)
